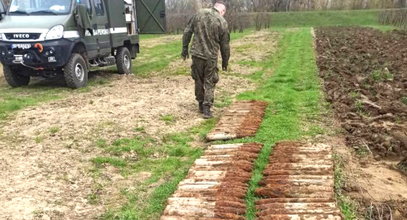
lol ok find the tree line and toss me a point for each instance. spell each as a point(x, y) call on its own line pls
point(287, 5)
point(244, 13)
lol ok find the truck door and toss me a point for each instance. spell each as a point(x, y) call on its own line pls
point(100, 27)
point(151, 16)
point(90, 37)
point(2, 9)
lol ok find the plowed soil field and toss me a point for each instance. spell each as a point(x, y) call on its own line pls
point(365, 77)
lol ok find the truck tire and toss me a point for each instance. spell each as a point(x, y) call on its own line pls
point(76, 72)
point(123, 60)
point(14, 79)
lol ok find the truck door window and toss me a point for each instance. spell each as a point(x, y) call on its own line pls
point(99, 7)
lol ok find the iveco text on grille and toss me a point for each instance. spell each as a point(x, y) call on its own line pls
point(21, 36)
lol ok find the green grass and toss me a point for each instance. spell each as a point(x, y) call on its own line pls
point(12, 100)
point(156, 58)
point(168, 160)
point(384, 28)
point(348, 208)
point(168, 119)
point(325, 18)
point(296, 108)
point(54, 130)
point(294, 96)
point(116, 162)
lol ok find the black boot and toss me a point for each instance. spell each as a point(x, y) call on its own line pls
point(207, 114)
point(201, 107)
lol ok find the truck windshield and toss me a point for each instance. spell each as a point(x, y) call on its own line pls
point(40, 7)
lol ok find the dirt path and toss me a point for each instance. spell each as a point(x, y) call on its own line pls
point(252, 48)
point(45, 150)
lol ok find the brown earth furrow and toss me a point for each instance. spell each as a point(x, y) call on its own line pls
point(216, 185)
point(364, 72)
point(242, 119)
point(298, 183)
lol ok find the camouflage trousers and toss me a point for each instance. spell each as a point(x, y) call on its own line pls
point(205, 74)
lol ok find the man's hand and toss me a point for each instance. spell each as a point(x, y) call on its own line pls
point(185, 53)
point(224, 66)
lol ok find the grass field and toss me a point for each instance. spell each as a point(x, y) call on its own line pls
point(296, 106)
point(287, 80)
point(326, 18)
point(294, 96)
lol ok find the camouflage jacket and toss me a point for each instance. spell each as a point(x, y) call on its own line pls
point(211, 34)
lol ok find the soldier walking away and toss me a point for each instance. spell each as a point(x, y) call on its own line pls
point(211, 34)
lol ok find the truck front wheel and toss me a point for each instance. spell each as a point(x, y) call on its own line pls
point(123, 60)
point(13, 78)
point(76, 72)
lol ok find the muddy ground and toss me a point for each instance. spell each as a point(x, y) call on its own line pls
point(46, 149)
point(365, 77)
point(364, 72)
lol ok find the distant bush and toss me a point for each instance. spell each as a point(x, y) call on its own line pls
point(396, 17)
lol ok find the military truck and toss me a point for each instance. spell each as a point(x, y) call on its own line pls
point(48, 38)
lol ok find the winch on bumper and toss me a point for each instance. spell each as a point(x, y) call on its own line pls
point(36, 55)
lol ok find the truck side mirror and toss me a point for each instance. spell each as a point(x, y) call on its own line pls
point(82, 17)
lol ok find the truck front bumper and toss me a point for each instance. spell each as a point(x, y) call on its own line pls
point(36, 55)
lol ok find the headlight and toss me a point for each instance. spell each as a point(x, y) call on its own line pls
point(56, 32)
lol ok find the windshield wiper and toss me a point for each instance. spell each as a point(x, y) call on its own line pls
point(19, 12)
point(44, 12)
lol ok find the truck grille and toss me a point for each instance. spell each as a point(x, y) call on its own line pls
point(23, 36)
